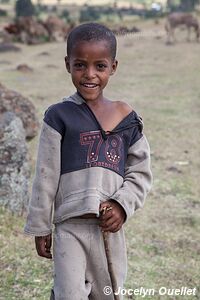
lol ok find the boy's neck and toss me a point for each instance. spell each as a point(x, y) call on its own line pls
point(99, 102)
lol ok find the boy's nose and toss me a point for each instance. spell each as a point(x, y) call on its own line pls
point(90, 73)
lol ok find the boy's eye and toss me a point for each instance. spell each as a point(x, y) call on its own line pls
point(101, 66)
point(79, 65)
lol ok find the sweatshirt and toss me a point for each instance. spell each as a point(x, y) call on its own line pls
point(79, 165)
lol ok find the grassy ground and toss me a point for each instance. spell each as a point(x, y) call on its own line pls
point(162, 84)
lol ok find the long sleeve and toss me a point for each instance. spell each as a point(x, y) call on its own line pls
point(138, 178)
point(45, 184)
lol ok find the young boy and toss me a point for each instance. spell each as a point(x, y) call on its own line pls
point(92, 155)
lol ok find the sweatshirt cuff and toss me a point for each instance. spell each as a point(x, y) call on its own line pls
point(33, 232)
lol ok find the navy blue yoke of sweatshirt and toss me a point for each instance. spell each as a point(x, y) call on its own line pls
point(85, 144)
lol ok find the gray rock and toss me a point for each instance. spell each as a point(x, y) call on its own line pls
point(22, 107)
point(14, 167)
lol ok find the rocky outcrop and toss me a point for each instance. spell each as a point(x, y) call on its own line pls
point(56, 28)
point(14, 168)
point(29, 30)
point(18, 122)
point(11, 101)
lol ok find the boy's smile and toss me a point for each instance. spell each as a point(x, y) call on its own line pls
point(91, 65)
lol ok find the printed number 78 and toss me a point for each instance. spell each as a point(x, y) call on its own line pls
point(94, 141)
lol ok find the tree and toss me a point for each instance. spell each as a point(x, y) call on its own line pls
point(189, 4)
point(184, 5)
point(24, 8)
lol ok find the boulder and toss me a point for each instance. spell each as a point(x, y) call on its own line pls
point(56, 28)
point(5, 37)
point(28, 30)
point(14, 168)
point(22, 107)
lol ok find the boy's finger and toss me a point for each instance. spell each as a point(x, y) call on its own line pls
point(107, 215)
point(109, 221)
point(39, 244)
point(110, 225)
point(48, 255)
point(113, 228)
point(48, 242)
point(117, 228)
point(104, 204)
point(45, 253)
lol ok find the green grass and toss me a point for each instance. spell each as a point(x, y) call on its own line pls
point(162, 84)
point(23, 275)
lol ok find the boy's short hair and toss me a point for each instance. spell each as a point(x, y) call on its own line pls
point(92, 32)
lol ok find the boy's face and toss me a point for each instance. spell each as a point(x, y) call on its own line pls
point(90, 65)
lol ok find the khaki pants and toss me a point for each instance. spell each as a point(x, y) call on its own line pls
point(80, 265)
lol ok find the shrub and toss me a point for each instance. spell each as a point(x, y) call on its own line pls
point(24, 8)
point(66, 15)
point(89, 13)
point(5, 1)
point(3, 13)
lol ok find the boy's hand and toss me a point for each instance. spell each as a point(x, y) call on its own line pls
point(43, 246)
point(113, 218)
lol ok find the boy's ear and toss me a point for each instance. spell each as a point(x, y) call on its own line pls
point(114, 67)
point(67, 63)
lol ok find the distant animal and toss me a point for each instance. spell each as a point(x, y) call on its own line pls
point(177, 19)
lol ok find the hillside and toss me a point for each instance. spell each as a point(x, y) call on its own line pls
point(162, 84)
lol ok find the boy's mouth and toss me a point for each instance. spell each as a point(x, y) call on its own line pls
point(89, 85)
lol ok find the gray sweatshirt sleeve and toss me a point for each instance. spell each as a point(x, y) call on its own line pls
point(138, 178)
point(45, 184)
